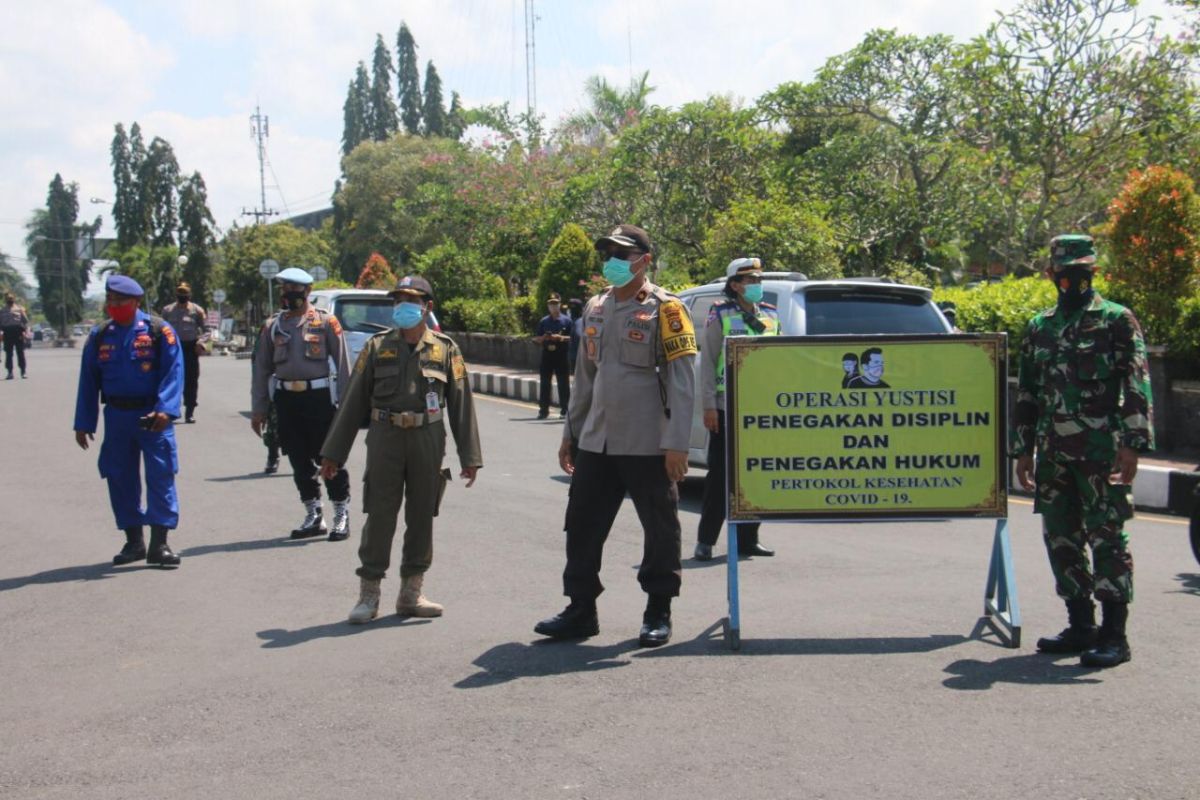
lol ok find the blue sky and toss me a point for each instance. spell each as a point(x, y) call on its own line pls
point(191, 71)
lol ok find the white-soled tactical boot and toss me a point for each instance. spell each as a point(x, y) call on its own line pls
point(314, 521)
point(341, 521)
point(368, 602)
point(411, 603)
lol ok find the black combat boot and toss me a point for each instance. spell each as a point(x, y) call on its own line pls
point(1077, 637)
point(314, 521)
point(1112, 648)
point(134, 549)
point(656, 622)
point(577, 621)
point(190, 415)
point(160, 553)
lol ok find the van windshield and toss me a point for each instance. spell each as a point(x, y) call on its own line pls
point(852, 312)
point(364, 314)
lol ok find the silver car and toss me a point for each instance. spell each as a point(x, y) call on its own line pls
point(809, 308)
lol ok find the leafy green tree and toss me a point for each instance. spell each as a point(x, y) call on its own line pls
point(245, 248)
point(434, 110)
point(408, 80)
point(786, 236)
point(125, 189)
point(672, 173)
point(569, 262)
point(891, 169)
point(1067, 95)
point(197, 236)
point(386, 199)
point(52, 244)
point(383, 108)
point(457, 273)
point(1154, 232)
point(156, 269)
point(376, 274)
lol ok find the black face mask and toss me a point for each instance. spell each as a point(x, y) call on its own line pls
point(294, 300)
point(183, 298)
point(1074, 286)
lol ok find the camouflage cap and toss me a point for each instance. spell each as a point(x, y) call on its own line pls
point(1072, 249)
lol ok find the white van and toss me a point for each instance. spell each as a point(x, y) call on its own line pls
point(808, 308)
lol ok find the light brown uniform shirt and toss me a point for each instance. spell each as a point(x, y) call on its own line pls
point(391, 376)
point(297, 347)
point(616, 405)
point(188, 321)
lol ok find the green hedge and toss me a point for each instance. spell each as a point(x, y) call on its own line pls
point(480, 316)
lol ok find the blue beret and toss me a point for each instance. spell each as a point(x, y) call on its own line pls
point(123, 284)
point(294, 275)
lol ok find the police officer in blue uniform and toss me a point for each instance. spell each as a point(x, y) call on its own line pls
point(553, 333)
point(134, 365)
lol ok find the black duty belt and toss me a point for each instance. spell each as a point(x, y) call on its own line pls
point(131, 403)
point(405, 419)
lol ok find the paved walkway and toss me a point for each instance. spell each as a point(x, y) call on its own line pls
point(1165, 483)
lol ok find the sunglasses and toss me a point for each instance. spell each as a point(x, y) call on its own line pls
point(623, 253)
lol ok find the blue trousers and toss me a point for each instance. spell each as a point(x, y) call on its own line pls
point(125, 445)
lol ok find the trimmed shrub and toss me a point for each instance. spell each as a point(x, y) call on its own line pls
point(570, 260)
point(491, 315)
point(376, 274)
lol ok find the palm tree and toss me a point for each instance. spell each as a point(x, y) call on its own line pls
point(610, 108)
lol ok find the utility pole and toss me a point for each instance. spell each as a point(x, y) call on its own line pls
point(530, 60)
point(260, 130)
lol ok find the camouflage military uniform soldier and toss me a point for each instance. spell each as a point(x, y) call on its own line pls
point(1083, 404)
point(408, 382)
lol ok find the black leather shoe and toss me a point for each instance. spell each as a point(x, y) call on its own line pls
point(543, 414)
point(1071, 641)
point(656, 629)
point(190, 417)
point(272, 466)
point(703, 552)
point(163, 556)
point(755, 550)
point(130, 553)
point(576, 621)
point(1108, 652)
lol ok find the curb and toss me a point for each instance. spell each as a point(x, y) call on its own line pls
point(1160, 489)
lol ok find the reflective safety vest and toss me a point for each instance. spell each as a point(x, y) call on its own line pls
point(734, 324)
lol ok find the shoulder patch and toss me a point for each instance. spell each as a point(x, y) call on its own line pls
point(458, 366)
point(334, 325)
point(169, 334)
point(676, 331)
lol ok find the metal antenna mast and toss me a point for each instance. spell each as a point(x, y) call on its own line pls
point(530, 59)
point(260, 130)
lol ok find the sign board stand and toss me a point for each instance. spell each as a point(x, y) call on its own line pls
point(1000, 606)
point(843, 443)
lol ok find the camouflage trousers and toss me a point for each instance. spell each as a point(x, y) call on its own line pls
point(270, 434)
point(1079, 507)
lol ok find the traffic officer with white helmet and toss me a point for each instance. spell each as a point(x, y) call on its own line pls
point(291, 366)
point(743, 314)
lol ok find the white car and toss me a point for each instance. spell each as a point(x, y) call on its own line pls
point(807, 308)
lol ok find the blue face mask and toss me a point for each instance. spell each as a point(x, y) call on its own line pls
point(753, 293)
point(407, 315)
point(618, 272)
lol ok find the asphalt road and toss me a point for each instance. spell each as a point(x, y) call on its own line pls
point(863, 672)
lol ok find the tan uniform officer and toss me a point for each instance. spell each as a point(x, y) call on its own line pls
point(409, 382)
point(188, 320)
point(631, 412)
point(291, 365)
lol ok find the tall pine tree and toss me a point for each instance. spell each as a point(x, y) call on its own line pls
point(383, 108)
point(197, 238)
point(158, 186)
point(408, 80)
point(434, 111)
point(125, 201)
point(51, 243)
point(353, 121)
point(456, 121)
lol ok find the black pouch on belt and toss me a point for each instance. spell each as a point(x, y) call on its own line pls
point(443, 479)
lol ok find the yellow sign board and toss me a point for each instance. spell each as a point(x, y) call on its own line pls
point(874, 427)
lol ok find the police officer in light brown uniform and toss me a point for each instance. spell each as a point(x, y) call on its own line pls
point(409, 382)
point(631, 412)
point(189, 322)
point(291, 365)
